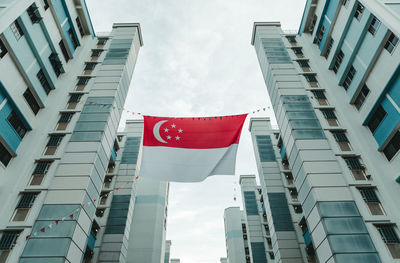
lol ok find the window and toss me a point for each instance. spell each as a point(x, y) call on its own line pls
point(359, 101)
point(393, 146)
point(312, 24)
point(291, 39)
point(3, 50)
point(55, 63)
point(391, 43)
point(342, 141)
point(107, 181)
point(293, 194)
point(82, 81)
point(40, 171)
point(312, 80)
point(304, 65)
point(349, 78)
point(376, 119)
point(24, 205)
point(320, 35)
point(17, 124)
point(96, 53)
point(5, 156)
point(53, 144)
point(246, 251)
point(330, 117)
point(320, 96)
point(104, 197)
point(329, 48)
point(90, 66)
point(372, 200)
point(46, 4)
point(100, 212)
point(73, 38)
point(373, 27)
point(289, 178)
point(30, 99)
point(34, 15)
point(63, 121)
point(356, 168)
point(391, 239)
point(79, 25)
point(359, 11)
point(298, 209)
point(7, 243)
point(64, 50)
point(17, 30)
point(338, 61)
point(102, 41)
point(43, 80)
point(73, 101)
point(271, 255)
point(298, 52)
point(345, 3)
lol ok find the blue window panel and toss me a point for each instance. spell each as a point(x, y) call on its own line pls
point(280, 212)
point(118, 214)
point(90, 126)
point(304, 17)
point(63, 229)
point(394, 90)
point(250, 202)
point(43, 260)
point(65, 21)
point(53, 212)
point(351, 243)
point(258, 252)
point(328, 15)
point(113, 155)
point(86, 137)
point(388, 124)
point(307, 237)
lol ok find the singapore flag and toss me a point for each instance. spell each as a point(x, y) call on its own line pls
point(190, 149)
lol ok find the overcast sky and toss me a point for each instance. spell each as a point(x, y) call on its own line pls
point(197, 61)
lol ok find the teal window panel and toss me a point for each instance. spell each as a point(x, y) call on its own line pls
point(355, 258)
point(131, 151)
point(351, 243)
point(90, 126)
point(258, 252)
point(265, 148)
point(298, 107)
point(93, 117)
point(96, 108)
point(121, 198)
point(345, 225)
point(49, 247)
point(301, 115)
point(53, 212)
point(115, 229)
point(101, 100)
point(118, 212)
point(64, 228)
point(114, 62)
point(116, 221)
point(308, 134)
point(120, 205)
point(150, 199)
point(280, 212)
point(337, 209)
point(305, 124)
point(43, 260)
point(86, 137)
point(92, 191)
point(250, 203)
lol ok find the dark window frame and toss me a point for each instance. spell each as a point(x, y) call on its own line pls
point(393, 147)
point(359, 11)
point(5, 155)
point(3, 49)
point(362, 95)
point(374, 26)
point(64, 50)
point(79, 25)
point(17, 124)
point(31, 100)
point(338, 61)
point(391, 43)
point(349, 77)
point(17, 30)
point(43, 81)
point(377, 118)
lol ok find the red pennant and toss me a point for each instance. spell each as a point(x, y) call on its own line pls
point(71, 216)
point(83, 205)
point(116, 189)
point(94, 201)
point(27, 237)
point(42, 229)
point(137, 177)
point(57, 222)
point(234, 198)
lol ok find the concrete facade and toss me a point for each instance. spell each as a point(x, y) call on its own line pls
point(237, 248)
point(333, 89)
point(62, 93)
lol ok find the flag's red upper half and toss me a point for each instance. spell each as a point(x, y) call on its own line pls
point(193, 133)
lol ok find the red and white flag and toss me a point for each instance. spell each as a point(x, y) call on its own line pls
point(190, 149)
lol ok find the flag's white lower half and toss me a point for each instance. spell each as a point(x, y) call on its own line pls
point(187, 165)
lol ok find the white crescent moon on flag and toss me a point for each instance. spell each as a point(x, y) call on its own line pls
point(156, 131)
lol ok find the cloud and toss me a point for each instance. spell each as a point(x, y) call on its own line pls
point(197, 61)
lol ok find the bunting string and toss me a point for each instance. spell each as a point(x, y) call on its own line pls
point(71, 214)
